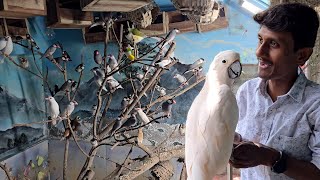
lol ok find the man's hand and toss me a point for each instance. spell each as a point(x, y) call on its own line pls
point(249, 154)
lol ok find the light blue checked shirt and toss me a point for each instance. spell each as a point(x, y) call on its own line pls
point(290, 124)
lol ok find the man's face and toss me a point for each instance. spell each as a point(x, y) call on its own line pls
point(276, 56)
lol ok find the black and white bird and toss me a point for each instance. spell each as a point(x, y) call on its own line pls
point(167, 106)
point(65, 87)
point(24, 62)
point(32, 41)
point(80, 68)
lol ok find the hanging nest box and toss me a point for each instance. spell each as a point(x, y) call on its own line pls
point(163, 170)
point(144, 16)
point(203, 12)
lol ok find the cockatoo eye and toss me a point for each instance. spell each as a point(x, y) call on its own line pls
point(224, 61)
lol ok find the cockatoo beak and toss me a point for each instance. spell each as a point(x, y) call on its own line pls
point(235, 69)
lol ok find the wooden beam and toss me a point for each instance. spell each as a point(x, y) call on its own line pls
point(113, 5)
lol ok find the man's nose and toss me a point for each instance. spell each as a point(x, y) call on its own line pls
point(262, 50)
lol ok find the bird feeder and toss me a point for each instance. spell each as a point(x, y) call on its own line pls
point(202, 12)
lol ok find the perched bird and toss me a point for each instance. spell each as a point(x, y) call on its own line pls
point(195, 66)
point(94, 109)
point(161, 90)
point(65, 87)
point(163, 62)
point(53, 109)
point(113, 84)
point(97, 57)
point(128, 51)
point(73, 86)
point(113, 63)
point(24, 62)
point(131, 121)
point(115, 126)
point(181, 79)
point(32, 41)
point(65, 56)
point(139, 76)
point(167, 106)
point(141, 116)
point(169, 37)
point(135, 35)
point(3, 42)
point(212, 119)
point(49, 52)
point(69, 109)
point(98, 77)
point(75, 125)
point(94, 142)
point(125, 102)
point(80, 68)
point(7, 50)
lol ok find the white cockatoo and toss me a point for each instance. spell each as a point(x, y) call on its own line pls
point(212, 119)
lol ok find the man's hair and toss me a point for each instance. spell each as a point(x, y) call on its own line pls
point(298, 19)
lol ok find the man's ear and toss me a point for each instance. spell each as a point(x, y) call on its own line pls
point(303, 55)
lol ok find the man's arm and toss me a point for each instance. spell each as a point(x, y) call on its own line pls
point(249, 154)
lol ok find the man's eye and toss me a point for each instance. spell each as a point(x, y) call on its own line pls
point(273, 44)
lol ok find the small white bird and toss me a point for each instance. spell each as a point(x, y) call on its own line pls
point(3, 42)
point(113, 84)
point(69, 109)
point(195, 66)
point(7, 49)
point(53, 109)
point(98, 77)
point(163, 62)
point(170, 37)
point(113, 63)
point(212, 119)
point(50, 51)
point(141, 116)
point(161, 90)
point(181, 79)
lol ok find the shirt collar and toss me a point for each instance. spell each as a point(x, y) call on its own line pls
point(296, 91)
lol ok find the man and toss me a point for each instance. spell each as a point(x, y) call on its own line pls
point(279, 112)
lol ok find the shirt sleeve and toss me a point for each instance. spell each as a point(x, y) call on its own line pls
point(314, 141)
